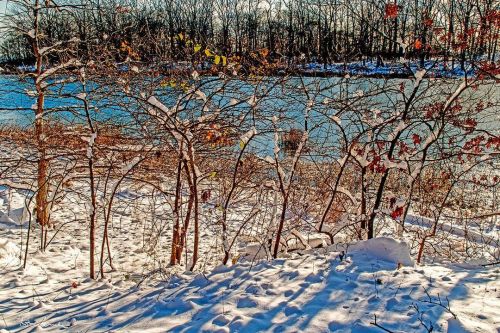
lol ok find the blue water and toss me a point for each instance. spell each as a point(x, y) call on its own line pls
point(14, 93)
point(287, 100)
point(59, 105)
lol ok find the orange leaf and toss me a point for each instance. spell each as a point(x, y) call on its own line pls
point(418, 44)
point(391, 10)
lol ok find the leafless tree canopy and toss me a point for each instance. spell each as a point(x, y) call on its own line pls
point(324, 31)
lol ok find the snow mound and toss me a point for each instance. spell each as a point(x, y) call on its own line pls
point(5, 219)
point(9, 252)
point(385, 248)
point(254, 251)
point(15, 218)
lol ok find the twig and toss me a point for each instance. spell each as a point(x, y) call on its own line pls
point(429, 328)
point(374, 323)
point(440, 303)
point(491, 264)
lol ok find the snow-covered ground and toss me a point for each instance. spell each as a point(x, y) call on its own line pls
point(316, 292)
point(369, 67)
point(434, 68)
point(333, 289)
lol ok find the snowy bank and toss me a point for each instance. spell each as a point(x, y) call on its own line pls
point(384, 248)
point(318, 292)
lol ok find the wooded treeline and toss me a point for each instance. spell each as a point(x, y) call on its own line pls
point(324, 31)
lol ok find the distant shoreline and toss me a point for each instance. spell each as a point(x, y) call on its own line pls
point(306, 73)
point(436, 70)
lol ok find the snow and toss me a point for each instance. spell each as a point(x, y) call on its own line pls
point(252, 101)
point(419, 75)
point(317, 287)
point(384, 248)
point(401, 42)
point(53, 70)
point(201, 95)
point(359, 93)
point(455, 326)
point(345, 191)
point(475, 236)
point(336, 119)
point(9, 253)
point(457, 93)
point(31, 93)
point(31, 33)
point(81, 96)
point(159, 105)
point(126, 168)
point(90, 146)
point(400, 68)
point(401, 126)
point(55, 46)
point(316, 292)
point(13, 213)
point(269, 159)
point(248, 135)
point(5, 219)
point(361, 158)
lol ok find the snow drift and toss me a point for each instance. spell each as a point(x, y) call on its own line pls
point(386, 249)
point(9, 252)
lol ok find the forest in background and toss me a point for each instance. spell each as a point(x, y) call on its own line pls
point(284, 32)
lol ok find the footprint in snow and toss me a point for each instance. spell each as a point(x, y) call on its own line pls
point(334, 326)
point(236, 324)
point(220, 320)
point(292, 310)
point(199, 281)
point(291, 275)
point(179, 306)
point(266, 286)
point(197, 300)
point(254, 289)
point(391, 303)
point(239, 271)
point(279, 329)
point(246, 302)
point(314, 278)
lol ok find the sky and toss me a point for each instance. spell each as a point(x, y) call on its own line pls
point(3, 4)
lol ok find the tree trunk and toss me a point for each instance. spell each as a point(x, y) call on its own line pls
point(174, 253)
point(42, 164)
